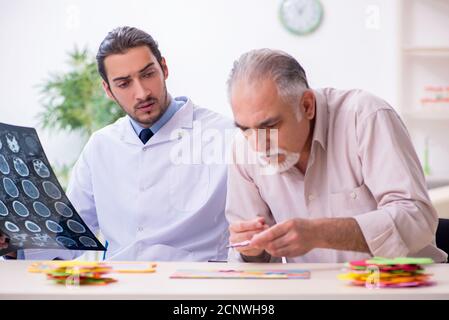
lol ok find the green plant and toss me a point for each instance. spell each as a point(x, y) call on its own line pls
point(75, 100)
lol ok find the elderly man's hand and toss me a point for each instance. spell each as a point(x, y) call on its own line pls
point(291, 238)
point(246, 230)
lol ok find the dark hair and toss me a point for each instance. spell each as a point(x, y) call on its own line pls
point(120, 40)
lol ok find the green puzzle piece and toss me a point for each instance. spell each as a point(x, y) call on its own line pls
point(401, 260)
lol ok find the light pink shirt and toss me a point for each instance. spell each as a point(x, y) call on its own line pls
point(362, 165)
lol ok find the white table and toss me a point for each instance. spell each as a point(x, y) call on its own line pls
point(17, 283)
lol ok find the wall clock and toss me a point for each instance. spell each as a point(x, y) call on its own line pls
point(301, 17)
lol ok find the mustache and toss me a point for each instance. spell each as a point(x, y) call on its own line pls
point(149, 100)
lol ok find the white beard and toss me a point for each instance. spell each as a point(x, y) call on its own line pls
point(270, 164)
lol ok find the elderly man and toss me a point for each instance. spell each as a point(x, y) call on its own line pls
point(338, 180)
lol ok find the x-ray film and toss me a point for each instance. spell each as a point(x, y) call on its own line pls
point(34, 210)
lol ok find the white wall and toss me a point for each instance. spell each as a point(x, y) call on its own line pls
point(200, 39)
point(426, 25)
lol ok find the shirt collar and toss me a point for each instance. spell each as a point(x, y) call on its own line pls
point(183, 119)
point(173, 107)
point(321, 120)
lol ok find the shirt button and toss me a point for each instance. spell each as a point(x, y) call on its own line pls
point(139, 229)
point(145, 148)
point(353, 195)
point(311, 197)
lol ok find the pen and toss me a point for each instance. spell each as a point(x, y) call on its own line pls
point(239, 244)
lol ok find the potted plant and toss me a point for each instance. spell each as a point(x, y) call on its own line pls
point(75, 101)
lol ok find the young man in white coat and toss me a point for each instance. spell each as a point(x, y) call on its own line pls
point(130, 181)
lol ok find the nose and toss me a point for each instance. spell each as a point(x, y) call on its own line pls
point(262, 140)
point(140, 92)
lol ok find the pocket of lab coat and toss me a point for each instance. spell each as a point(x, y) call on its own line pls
point(189, 186)
point(352, 202)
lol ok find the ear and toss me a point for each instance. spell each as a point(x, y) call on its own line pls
point(164, 68)
point(308, 104)
point(107, 90)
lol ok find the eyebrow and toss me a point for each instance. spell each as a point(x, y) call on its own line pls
point(140, 71)
point(240, 126)
point(263, 124)
point(268, 122)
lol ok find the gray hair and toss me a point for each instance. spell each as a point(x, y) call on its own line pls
point(288, 75)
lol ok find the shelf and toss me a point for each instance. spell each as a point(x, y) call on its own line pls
point(427, 51)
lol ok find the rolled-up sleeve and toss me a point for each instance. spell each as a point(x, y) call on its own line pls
point(405, 221)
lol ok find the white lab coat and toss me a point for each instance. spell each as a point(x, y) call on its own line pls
point(145, 206)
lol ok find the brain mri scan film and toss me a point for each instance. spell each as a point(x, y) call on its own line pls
point(12, 142)
point(41, 169)
point(34, 210)
point(21, 167)
point(4, 167)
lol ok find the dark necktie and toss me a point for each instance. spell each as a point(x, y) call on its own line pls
point(145, 135)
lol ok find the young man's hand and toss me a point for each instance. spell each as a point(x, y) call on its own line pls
point(4, 243)
point(246, 230)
